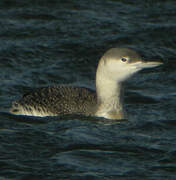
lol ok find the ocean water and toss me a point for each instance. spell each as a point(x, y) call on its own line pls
point(49, 42)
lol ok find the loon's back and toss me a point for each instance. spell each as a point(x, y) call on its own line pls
point(55, 100)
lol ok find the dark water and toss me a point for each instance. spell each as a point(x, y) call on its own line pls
point(54, 42)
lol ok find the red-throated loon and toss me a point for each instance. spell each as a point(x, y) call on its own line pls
point(115, 66)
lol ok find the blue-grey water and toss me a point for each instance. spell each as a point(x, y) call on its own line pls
point(48, 42)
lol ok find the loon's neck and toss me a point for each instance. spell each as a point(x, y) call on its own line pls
point(109, 98)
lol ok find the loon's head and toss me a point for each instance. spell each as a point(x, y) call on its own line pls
point(119, 64)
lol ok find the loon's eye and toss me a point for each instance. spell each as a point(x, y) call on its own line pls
point(124, 59)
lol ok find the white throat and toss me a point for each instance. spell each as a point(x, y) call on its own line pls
point(109, 96)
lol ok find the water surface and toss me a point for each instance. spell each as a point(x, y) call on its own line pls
point(59, 42)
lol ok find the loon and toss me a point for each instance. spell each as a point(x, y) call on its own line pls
point(115, 66)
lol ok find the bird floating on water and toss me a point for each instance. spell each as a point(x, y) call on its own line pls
point(115, 67)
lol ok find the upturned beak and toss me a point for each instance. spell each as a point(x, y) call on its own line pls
point(148, 64)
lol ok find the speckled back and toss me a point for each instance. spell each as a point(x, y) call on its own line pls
point(57, 100)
